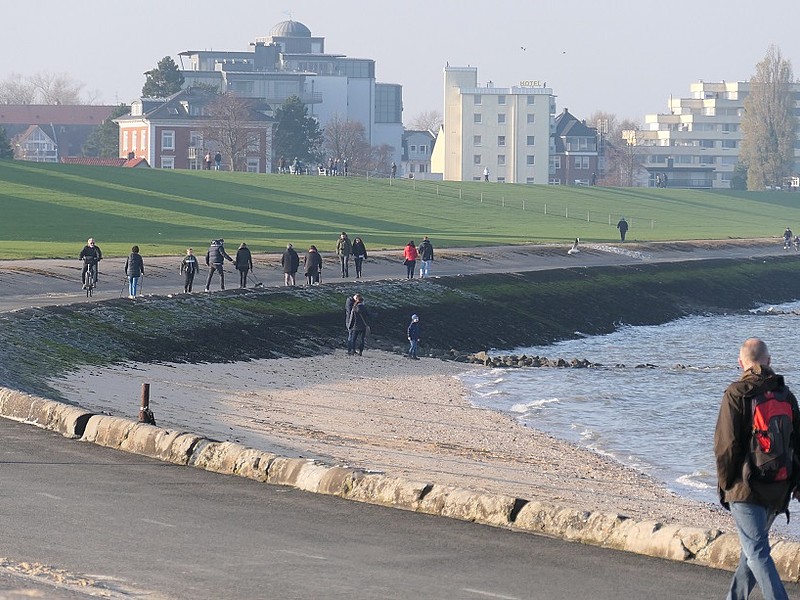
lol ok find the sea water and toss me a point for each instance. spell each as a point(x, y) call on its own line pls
point(653, 404)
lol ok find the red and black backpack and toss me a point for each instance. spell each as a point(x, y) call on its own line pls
point(771, 452)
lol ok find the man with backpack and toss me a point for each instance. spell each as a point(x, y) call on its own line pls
point(757, 445)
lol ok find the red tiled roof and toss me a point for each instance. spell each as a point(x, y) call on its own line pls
point(59, 114)
point(136, 162)
point(93, 161)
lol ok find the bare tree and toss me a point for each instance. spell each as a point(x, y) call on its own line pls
point(15, 90)
point(57, 88)
point(768, 124)
point(346, 139)
point(231, 129)
point(429, 120)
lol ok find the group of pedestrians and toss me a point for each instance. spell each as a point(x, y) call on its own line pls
point(90, 257)
point(423, 253)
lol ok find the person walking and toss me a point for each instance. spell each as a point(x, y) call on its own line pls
point(753, 496)
point(134, 269)
point(217, 161)
point(215, 259)
point(90, 255)
point(410, 255)
point(359, 252)
point(623, 228)
point(426, 257)
point(413, 332)
point(189, 268)
point(312, 265)
point(343, 250)
point(207, 161)
point(394, 170)
point(357, 326)
point(243, 263)
point(290, 262)
point(486, 173)
point(787, 238)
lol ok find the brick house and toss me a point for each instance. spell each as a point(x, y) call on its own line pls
point(575, 157)
point(169, 132)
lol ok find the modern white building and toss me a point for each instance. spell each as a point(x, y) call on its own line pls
point(696, 144)
point(291, 62)
point(506, 131)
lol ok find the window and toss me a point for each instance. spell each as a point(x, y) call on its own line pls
point(501, 140)
point(423, 169)
point(581, 162)
point(134, 139)
point(501, 160)
point(252, 165)
point(125, 140)
point(729, 144)
point(706, 143)
point(501, 99)
point(411, 168)
point(412, 148)
point(501, 118)
point(476, 159)
point(143, 140)
point(423, 149)
point(554, 181)
point(531, 100)
point(530, 160)
point(195, 139)
point(501, 180)
point(556, 162)
point(167, 162)
point(478, 178)
point(529, 180)
point(531, 140)
point(477, 118)
point(531, 118)
point(478, 99)
point(476, 140)
point(168, 141)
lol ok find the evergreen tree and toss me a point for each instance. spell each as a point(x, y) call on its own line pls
point(104, 141)
point(768, 125)
point(163, 81)
point(297, 134)
point(6, 151)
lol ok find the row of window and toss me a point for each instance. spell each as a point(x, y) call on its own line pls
point(579, 162)
point(423, 149)
point(477, 140)
point(501, 118)
point(501, 99)
point(168, 141)
point(530, 160)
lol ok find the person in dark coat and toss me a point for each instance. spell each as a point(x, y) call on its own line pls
point(425, 250)
point(357, 326)
point(623, 228)
point(215, 258)
point(344, 248)
point(243, 263)
point(134, 269)
point(413, 333)
point(359, 254)
point(189, 268)
point(290, 262)
point(312, 265)
point(90, 255)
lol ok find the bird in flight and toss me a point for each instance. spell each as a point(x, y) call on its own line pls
point(523, 48)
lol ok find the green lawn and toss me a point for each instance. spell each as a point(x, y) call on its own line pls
point(50, 210)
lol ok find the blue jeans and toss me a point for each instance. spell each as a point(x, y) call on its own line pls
point(755, 563)
point(412, 349)
point(353, 341)
point(133, 285)
point(424, 268)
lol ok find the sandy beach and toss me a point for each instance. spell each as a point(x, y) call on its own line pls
point(381, 412)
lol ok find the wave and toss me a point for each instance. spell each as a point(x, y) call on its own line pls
point(524, 407)
point(694, 480)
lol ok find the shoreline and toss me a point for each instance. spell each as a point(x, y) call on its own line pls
point(382, 412)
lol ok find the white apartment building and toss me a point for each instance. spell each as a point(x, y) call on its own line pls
point(505, 130)
point(696, 144)
point(291, 62)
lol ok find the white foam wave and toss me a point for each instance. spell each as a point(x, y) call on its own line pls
point(692, 480)
point(523, 407)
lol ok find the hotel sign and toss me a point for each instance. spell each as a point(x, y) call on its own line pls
point(530, 83)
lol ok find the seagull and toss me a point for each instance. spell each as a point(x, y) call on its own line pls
point(574, 249)
point(523, 48)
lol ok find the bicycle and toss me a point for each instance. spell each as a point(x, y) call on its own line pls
point(91, 278)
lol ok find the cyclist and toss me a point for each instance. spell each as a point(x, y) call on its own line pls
point(90, 255)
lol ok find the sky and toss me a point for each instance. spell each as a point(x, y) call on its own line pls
point(625, 57)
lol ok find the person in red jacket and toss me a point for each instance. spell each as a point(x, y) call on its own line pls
point(410, 253)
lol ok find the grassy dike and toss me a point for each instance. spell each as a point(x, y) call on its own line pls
point(466, 313)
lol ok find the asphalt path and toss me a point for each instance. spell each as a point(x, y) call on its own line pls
point(27, 283)
point(131, 527)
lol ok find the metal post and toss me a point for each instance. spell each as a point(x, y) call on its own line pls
point(437, 189)
point(459, 193)
point(145, 414)
point(504, 200)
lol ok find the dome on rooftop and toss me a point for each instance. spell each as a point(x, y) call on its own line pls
point(290, 29)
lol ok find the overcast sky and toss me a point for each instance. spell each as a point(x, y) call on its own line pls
point(621, 56)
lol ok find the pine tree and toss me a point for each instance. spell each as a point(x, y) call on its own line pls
point(297, 134)
point(163, 81)
point(6, 151)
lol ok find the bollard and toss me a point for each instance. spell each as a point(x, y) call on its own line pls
point(145, 414)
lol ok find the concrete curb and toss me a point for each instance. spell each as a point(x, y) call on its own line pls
point(711, 548)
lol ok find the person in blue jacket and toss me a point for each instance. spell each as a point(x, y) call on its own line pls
point(413, 337)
